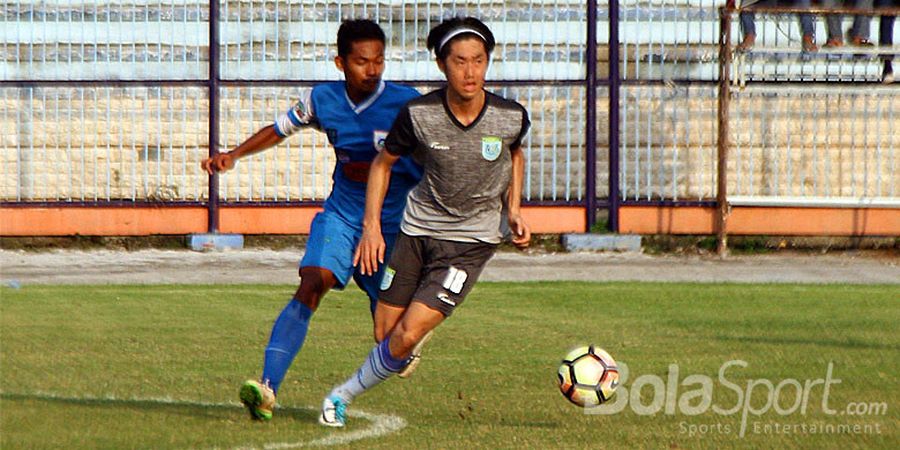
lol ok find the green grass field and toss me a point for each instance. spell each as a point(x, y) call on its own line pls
point(159, 367)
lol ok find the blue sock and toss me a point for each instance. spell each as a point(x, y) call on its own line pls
point(286, 340)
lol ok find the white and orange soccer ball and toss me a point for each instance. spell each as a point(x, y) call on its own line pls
point(588, 376)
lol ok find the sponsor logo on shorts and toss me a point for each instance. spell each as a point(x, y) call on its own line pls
point(491, 147)
point(388, 278)
point(378, 137)
point(445, 298)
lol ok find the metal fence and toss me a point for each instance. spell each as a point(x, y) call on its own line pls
point(111, 101)
point(815, 142)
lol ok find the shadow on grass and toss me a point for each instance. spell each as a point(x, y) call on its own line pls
point(181, 407)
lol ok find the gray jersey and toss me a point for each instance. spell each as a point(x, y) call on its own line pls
point(467, 168)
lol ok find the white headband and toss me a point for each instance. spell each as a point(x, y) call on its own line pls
point(458, 32)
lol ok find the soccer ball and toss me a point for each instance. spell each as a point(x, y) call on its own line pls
point(588, 376)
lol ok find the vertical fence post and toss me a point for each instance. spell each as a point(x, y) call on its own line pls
point(591, 118)
point(614, 85)
point(722, 143)
point(213, 205)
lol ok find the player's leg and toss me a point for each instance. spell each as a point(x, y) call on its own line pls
point(399, 285)
point(807, 27)
point(289, 332)
point(397, 281)
point(381, 279)
point(833, 24)
point(323, 267)
point(861, 29)
point(451, 278)
point(385, 315)
point(419, 320)
point(450, 270)
point(748, 26)
point(285, 341)
point(886, 38)
point(385, 360)
point(452, 275)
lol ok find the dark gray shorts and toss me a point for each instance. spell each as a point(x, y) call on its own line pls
point(437, 273)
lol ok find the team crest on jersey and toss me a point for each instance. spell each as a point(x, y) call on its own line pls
point(378, 138)
point(301, 112)
point(491, 147)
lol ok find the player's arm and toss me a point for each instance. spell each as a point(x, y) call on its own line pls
point(520, 230)
point(400, 141)
point(263, 139)
point(370, 251)
point(297, 117)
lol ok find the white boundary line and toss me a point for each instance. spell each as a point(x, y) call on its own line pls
point(382, 424)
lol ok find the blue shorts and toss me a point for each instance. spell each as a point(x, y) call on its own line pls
point(332, 242)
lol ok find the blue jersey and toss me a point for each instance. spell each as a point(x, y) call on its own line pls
point(357, 133)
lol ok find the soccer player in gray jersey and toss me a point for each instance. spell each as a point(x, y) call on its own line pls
point(469, 142)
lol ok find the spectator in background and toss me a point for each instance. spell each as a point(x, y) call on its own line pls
point(748, 23)
point(886, 37)
point(858, 34)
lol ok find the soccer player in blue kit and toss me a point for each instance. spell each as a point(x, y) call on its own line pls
point(356, 116)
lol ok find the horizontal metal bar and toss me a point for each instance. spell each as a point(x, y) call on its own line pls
point(204, 82)
point(144, 3)
point(578, 203)
point(270, 203)
point(825, 52)
point(282, 82)
point(851, 88)
point(267, 203)
point(670, 203)
point(735, 200)
point(815, 202)
point(101, 204)
point(668, 82)
point(295, 203)
point(104, 83)
point(886, 11)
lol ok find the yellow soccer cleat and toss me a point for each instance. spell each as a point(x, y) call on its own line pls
point(259, 399)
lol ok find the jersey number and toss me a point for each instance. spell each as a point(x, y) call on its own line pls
point(455, 280)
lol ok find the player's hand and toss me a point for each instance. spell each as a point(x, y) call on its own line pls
point(521, 232)
point(370, 251)
point(221, 162)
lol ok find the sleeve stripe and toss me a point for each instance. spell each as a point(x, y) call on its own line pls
point(278, 130)
point(293, 117)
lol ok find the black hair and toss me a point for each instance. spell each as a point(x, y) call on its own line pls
point(357, 30)
point(438, 33)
